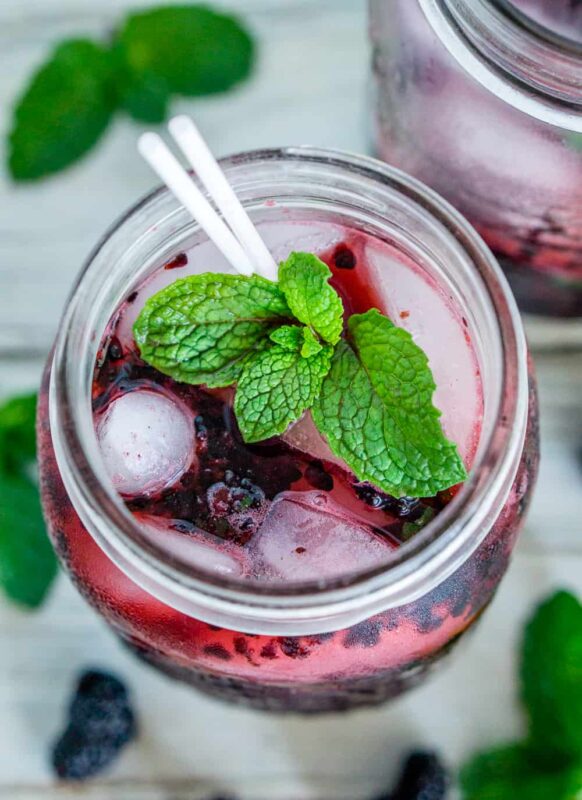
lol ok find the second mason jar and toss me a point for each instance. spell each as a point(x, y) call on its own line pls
point(482, 100)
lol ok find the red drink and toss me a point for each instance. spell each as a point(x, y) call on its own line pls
point(261, 572)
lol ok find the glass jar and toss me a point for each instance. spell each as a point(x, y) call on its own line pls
point(315, 646)
point(484, 103)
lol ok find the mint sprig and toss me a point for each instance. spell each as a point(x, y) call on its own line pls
point(27, 561)
point(186, 50)
point(275, 389)
point(192, 50)
point(201, 329)
point(548, 763)
point(64, 111)
point(376, 411)
point(304, 280)
point(551, 677)
point(17, 433)
point(370, 393)
point(513, 773)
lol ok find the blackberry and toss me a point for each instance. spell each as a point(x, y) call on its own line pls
point(101, 707)
point(318, 477)
point(403, 507)
point(101, 722)
point(343, 257)
point(423, 777)
point(237, 507)
point(76, 757)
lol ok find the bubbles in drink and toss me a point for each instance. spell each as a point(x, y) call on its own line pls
point(305, 537)
point(146, 440)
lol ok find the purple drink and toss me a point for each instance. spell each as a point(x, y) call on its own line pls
point(480, 101)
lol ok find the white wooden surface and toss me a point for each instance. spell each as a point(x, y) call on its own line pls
point(310, 86)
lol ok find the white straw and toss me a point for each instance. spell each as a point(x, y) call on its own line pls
point(169, 169)
point(192, 144)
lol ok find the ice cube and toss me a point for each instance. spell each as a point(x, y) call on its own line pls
point(305, 537)
point(146, 440)
point(185, 541)
point(304, 436)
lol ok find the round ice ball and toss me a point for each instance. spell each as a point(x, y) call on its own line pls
point(146, 440)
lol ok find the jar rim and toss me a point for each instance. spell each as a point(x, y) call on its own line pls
point(527, 66)
point(435, 552)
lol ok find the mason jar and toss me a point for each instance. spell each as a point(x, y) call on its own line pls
point(331, 644)
point(482, 100)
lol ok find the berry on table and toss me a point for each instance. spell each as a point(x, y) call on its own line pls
point(423, 777)
point(101, 722)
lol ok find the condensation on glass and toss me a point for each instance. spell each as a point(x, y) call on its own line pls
point(482, 100)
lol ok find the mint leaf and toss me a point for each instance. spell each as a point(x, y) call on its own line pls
point(194, 50)
point(146, 100)
point(290, 337)
point(376, 411)
point(201, 329)
point(27, 561)
point(310, 345)
point(63, 112)
point(276, 387)
point(304, 280)
point(297, 338)
point(551, 677)
point(17, 432)
point(513, 773)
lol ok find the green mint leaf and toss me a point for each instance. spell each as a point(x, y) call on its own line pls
point(311, 346)
point(551, 677)
point(376, 411)
point(297, 339)
point(290, 337)
point(196, 51)
point(304, 280)
point(276, 387)
point(17, 433)
point(63, 112)
point(201, 329)
point(513, 773)
point(27, 561)
point(145, 100)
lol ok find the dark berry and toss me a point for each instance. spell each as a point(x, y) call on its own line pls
point(237, 507)
point(423, 777)
point(221, 797)
point(76, 757)
point(343, 257)
point(317, 477)
point(101, 722)
point(115, 349)
point(101, 707)
point(403, 507)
